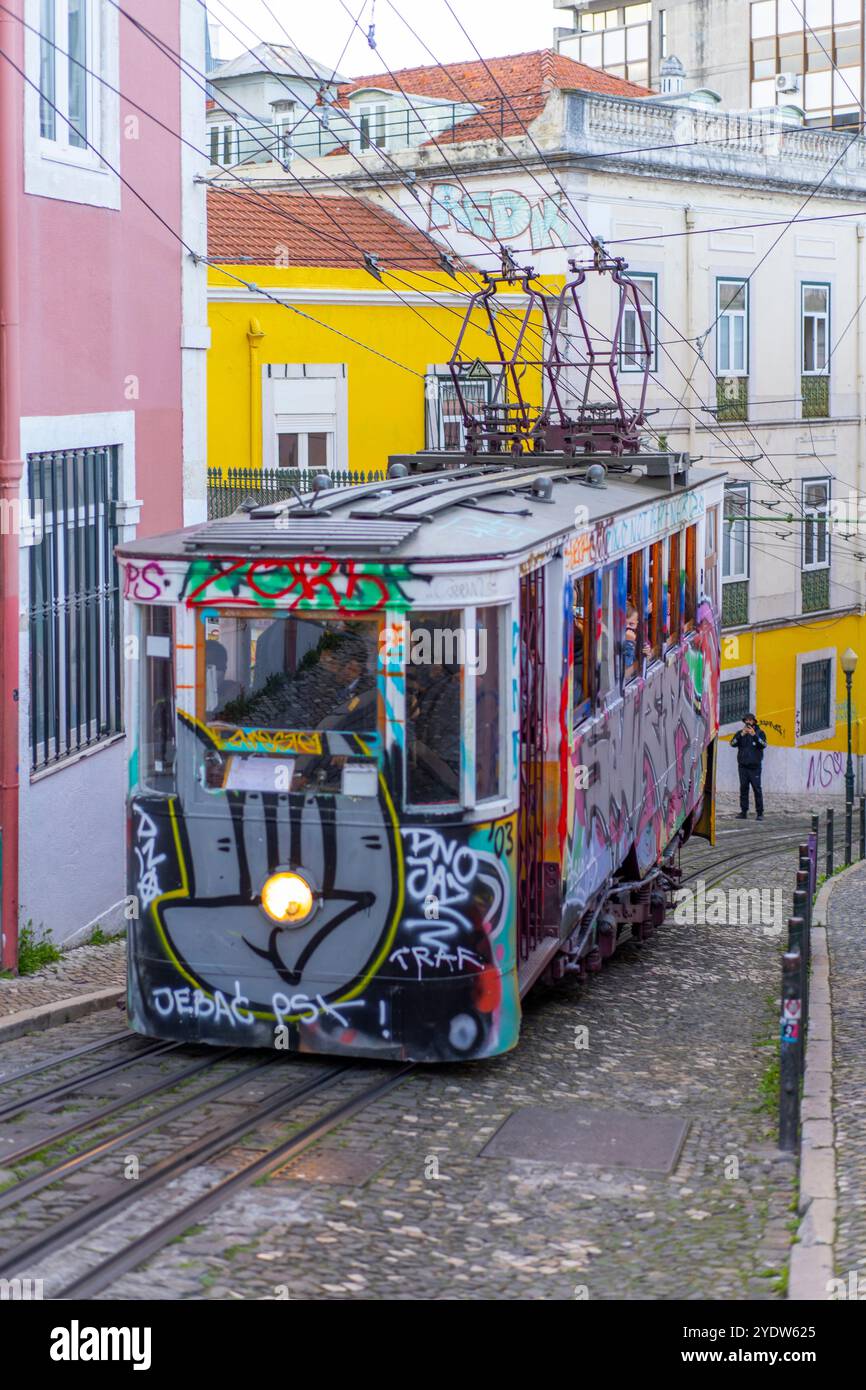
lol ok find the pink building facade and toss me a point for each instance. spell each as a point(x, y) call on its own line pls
point(103, 317)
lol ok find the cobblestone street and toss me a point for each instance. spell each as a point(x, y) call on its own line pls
point(402, 1202)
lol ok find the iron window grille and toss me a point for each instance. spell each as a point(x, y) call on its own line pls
point(815, 696)
point(734, 697)
point(74, 614)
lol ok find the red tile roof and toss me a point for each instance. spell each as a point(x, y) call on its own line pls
point(273, 227)
point(525, 78)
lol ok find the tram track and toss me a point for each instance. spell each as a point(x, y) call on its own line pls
point(81, 1220)
point(730, 862)
point(148, 1244)
point(65, 1232)
point(125, 1036)
point(156, 1049)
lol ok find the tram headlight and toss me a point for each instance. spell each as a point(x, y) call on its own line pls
point(287, 898)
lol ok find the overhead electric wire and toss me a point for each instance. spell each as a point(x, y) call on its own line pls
point(197, 256)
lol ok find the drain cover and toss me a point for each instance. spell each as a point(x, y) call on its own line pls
point(341, 1167)
point(574, 1134)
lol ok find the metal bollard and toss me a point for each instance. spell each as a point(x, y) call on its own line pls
point(816, 823)
point(813, 862)
point(863, 827)
point(791, 1048)
point(849, 826)
point(829, 843)
point(798, 939)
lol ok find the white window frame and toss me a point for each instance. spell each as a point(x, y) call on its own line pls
point(817, 317)
point(730, 368)
point(375, 113)
point(812, 516)
point(804, 659)
point(649, 313)
point(53, 168)
point(221, 127)
point(335, 426)
point(739, 576)
point(434, 430)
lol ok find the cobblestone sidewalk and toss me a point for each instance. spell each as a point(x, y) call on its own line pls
point(79, 971)
point(846, 941)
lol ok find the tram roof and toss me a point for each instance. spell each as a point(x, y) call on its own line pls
point(481, 511)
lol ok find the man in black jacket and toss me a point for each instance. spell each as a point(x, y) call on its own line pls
point(750, 743)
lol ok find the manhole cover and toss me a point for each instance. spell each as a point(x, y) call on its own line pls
point(341, 1167)
point(574, 1134)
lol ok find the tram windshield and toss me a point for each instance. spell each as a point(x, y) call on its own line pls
point(298, 689)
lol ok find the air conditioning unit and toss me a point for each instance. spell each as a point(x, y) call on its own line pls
point(787, 82)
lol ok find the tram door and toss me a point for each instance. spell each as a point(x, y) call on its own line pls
point(530, 839)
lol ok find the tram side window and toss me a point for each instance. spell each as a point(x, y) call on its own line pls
point(433, 709)
point(674, 590)
point(691, 579)
point(633, 644)
point(581, 696)
point(489, 707)
point(157, 745)
point(605, 629)
point(655, 602)
point(711, 562)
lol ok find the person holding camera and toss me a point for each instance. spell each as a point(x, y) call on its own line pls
point(750, 743)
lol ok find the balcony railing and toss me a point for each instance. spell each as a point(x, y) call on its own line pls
point(815, 393)
point(815, 590)
point(735, 603)
point(732, 398)
point(227, 490)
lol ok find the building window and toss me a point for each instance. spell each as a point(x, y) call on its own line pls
point(223, 144)
point(616, 39)
point(74, 615)
point(734, 699)
point(732, 328)
point(711, 555)
point(815, 697)
point(663, 33)
point(816, 524)
point(305, 449)
point(304, 417)
point(633, 354)
point(372, 125)
point(445, 427)
point(816, 328)
point(735, 532)
point(808, 52)
point(67, 45)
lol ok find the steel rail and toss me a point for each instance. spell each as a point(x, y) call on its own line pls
point(126, 1036)
point(64, 1166)
point(83, 1219)
point(152, 1050)
point(55, 1137)
point(152, 1241)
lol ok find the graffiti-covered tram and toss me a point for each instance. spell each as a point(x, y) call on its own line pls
point(401, 749)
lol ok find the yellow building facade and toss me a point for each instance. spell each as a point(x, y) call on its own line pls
point(801, 758)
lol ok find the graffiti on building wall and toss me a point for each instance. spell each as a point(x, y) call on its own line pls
point(500, 214)
point(824, 769)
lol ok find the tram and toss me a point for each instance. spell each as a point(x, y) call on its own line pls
point(400, 749)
